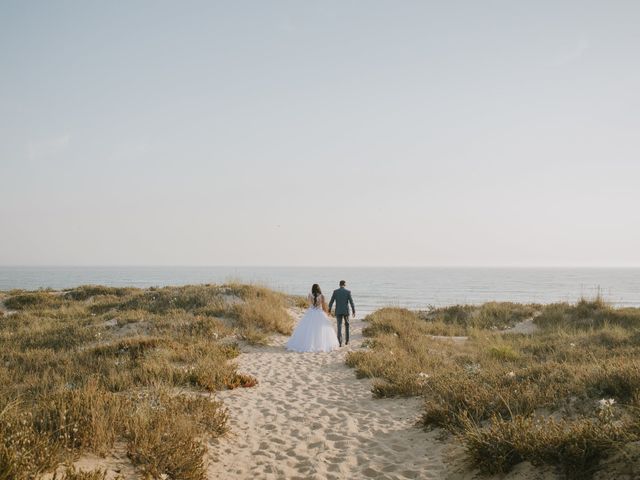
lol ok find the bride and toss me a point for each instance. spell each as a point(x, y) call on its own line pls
point(314, 333)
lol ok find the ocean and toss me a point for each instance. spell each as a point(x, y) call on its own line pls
point(372, 287)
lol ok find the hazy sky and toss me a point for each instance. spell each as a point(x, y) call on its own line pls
point(320, 133)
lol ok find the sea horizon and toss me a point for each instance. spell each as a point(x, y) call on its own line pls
point(312, 266)
point(415, 287)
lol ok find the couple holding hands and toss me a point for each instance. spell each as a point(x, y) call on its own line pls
point(315, 332)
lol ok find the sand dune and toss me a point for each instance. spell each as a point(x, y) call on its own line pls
point(311, 418)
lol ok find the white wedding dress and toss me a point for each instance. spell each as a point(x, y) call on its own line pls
point(314, 332)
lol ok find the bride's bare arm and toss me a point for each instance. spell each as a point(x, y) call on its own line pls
point(324, 304)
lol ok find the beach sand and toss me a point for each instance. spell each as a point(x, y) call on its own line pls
point(309, 417)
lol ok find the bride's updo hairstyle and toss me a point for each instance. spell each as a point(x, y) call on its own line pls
point(315, 290)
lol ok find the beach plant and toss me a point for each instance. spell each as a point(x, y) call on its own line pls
point(574, 446)
point(490, 315)
point(587, 314)
point(262, 310)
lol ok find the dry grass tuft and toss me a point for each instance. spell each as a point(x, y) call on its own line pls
point(71, 473)
point(587, 314)
point(262, 311)
point(34, 300)
point(162, 435)
point(576, 446)
point(80, 418)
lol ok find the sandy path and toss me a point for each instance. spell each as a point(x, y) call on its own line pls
point(310, 418)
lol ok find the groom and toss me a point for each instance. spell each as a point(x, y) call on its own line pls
point(342, 297)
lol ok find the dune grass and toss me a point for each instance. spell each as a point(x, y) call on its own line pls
point(567, 395)
point(464, 319)
point(88, 367)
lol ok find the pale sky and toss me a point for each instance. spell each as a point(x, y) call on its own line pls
point(320, 133)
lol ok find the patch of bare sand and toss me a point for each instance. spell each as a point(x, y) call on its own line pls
point(116, 465)
point(526, 327)
point(310, 418)
point(5, 311)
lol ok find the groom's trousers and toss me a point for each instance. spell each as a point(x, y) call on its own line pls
point(340, 318)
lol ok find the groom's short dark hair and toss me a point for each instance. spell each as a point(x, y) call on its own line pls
point(342, 283)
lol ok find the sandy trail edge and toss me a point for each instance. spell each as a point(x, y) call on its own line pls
point(309, 418)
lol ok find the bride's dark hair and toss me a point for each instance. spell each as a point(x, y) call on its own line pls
point(315, 290)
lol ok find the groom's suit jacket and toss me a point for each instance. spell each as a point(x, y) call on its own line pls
point(342, 297)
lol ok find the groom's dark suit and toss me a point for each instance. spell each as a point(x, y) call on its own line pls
point(343, 299)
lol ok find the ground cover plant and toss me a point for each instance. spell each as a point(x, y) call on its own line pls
point(566, 395)
point(87, 368)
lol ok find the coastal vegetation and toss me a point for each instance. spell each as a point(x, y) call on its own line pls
point(92, 368)
point(98, 369)
point(564, 393)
